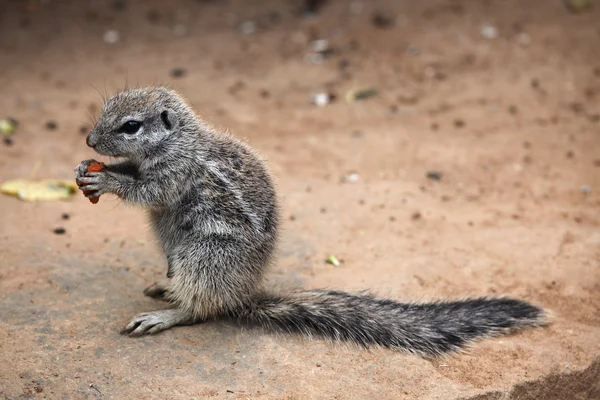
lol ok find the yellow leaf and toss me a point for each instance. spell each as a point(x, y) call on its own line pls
point(48, 189)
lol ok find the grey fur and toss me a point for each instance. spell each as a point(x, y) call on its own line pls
point(212, 205)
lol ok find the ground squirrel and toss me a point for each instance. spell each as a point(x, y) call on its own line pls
point(212, 204)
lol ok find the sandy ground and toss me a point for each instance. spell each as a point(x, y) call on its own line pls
point(512, 123)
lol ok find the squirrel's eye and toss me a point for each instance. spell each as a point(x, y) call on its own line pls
point(130, 127)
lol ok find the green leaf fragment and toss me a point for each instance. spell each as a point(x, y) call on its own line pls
point(7, 126)
point(333, 261)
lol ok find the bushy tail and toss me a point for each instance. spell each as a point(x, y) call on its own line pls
point(427, 329)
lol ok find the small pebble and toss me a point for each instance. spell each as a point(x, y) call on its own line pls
point(52, 125)
point(312, 7)
point(321, 99)
point(459, 123)
point(415, 216)
point(434, 175)
point(83, 130)
point(8, 140)
point(351, 178)
point(489, 32)
point(320, 45)
point(585, 189)
point(65, 216)
point(60, 231)
point(382, 21)
point(247, 27)
point(178, 72)
point(535, 83)
point(111, 37)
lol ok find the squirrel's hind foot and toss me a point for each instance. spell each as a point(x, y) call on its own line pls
point(157, 321)
point(156, 291)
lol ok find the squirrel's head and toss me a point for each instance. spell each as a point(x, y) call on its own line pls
point(136, 122)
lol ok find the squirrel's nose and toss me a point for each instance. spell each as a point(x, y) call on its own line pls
point(91, 140)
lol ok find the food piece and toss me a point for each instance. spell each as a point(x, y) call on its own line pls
point(93, 167)
point(48, 189)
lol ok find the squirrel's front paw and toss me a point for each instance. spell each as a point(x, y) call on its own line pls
point(96, 184)
point(82, 168)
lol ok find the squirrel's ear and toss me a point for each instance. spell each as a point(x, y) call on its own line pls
point(167, 117)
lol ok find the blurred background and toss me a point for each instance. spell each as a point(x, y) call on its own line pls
point(434, 148)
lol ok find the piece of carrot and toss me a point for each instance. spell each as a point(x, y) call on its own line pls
point(94, 167)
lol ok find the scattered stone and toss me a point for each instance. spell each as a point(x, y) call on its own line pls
point(312, 7)
point(513, 109)
point(416, 216)
point(178, 72)
point(321, 51)
point(65, 216)
point(351, 178)
point(8, 140)
point(321, 99)
point(60, 231)
point(535, 83)
point(459, 123)
point(247, 27)
point(434, 175)
point(111, 37)
point(435, 126)
point(585, 189)
point(51, 125)
point(315, 58)
point(83, 130)
point(382, 20)
point(489, 32)
point(576, 107)
point(320, 45)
